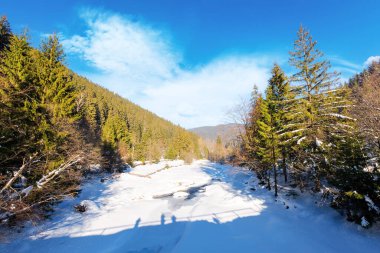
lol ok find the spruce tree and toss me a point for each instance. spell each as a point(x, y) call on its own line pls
point(267, 142)
point(280, 102)
point(272, 120)
point(57, 87)
point(18, 96)
point(320, 104)
point(5, 33)
point(249, 138)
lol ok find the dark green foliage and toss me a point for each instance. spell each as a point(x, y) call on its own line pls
point(38, 102)
point(135, 133)
point(37, 122)
point(58, 91)
point(356, 163)
point(115, 130)
point(273, 118)
point(310, 127)
point(5, 33)
point(356, 184)
point(18, 104)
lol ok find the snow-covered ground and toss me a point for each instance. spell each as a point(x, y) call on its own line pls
point(202, 207)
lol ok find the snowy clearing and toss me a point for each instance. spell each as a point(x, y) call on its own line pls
point(202, 207)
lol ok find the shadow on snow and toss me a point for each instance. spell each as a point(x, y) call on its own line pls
point(273, 229)
point(263, 233)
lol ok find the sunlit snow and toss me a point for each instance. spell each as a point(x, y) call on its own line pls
point(202, 207)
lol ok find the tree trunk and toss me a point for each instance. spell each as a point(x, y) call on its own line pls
point(275, 180)
point(275, 171)
point(284, 169)
point(268, 181)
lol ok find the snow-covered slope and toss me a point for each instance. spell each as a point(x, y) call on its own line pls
point(203, 207)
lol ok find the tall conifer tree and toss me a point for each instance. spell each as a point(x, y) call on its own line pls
point(280, 101)
point(58, 89)
point(18, 100)
point(320, 104)
point(273, 119)
point(5, 33)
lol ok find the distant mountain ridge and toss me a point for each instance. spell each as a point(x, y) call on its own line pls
point(227, 132)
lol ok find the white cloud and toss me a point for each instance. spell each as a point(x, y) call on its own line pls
point(203, 97)
point(372, 59)
point(124, 49)
point(139, 63)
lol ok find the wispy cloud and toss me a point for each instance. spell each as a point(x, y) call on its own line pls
point(124, 49)
point(139, 62)
point(344, 63)
point(345, 67)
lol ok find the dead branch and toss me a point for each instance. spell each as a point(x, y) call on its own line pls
point(18, 173)
point(47, 178)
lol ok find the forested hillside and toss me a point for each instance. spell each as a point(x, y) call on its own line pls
point(55, 126)
point(135, 133)
point(313, 132)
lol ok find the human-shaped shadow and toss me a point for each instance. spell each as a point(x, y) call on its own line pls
point(174, 219)
point(137, 223)
point(162, 219)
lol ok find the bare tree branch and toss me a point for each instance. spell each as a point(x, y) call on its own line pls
point(18, 173)
point(47, 178)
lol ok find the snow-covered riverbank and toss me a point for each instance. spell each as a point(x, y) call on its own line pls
point(202, 207)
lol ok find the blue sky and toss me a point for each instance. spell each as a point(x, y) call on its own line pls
point(191, 61)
